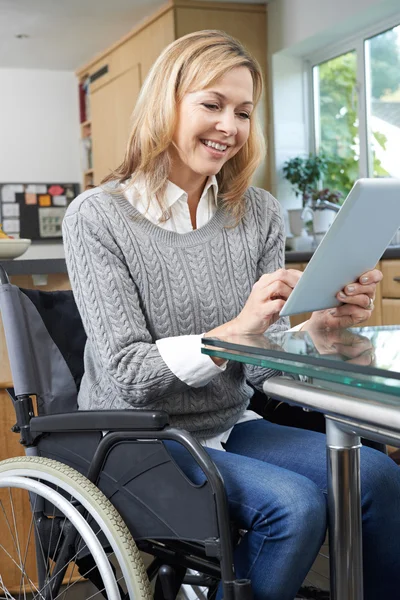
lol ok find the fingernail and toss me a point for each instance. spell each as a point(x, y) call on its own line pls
point(333, 313)
point(350, 288)
point(364, 279)
point(342, 295)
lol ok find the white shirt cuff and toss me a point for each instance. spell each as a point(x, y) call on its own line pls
point(182, 355)
point(297, 327)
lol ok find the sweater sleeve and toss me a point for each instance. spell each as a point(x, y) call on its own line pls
point(272, 258)
point(109, 304)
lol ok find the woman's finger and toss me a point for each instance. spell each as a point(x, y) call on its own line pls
point(276, 290)
point(373, 276)
point(353, 289)
point(349, 315)
point(288, 276)
point(353, 351)
point(364, 359)
point(361, 300)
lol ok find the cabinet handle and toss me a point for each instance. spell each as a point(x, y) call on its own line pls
point(99, 73)
point(396, 279)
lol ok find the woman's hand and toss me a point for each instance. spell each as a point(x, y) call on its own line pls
point(352, 347)
point(267, 297)
point(357, 304)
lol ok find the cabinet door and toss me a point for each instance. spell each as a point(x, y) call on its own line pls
point(128, 88)
point(390, 311)
point(111, 108)
point(391, 278)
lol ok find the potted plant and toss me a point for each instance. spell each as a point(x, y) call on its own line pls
point(305, 174)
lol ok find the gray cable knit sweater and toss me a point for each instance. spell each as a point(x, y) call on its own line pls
point(135, 283)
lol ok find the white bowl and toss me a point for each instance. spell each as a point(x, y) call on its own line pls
point(13, 248)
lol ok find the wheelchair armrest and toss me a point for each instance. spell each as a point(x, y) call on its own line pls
point(100, 420)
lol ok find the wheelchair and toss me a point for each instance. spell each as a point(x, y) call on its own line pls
point(101, 486)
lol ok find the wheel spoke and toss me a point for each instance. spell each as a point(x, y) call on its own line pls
point(8, 596)
point(27, 543)
point(69, 580)
point(55, 487)
point(51, 532)
point(19, 567)
point(73, 560)
point(12, 536)
point(22, 567)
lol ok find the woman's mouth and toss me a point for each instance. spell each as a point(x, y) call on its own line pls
point(215, 148)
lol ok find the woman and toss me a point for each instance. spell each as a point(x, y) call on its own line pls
point(176, 244)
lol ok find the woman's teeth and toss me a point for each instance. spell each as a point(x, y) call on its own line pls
point(220, 147)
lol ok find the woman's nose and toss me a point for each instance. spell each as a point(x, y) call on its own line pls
point(227, 123)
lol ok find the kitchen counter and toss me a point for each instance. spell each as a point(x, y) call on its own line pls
point(296, 257)
point(38, 266)
point(47, 266)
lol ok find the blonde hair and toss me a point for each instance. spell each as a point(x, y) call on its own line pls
point(191, 63)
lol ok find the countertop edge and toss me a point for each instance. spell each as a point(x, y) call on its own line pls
point(47, 266)
point(39, 266)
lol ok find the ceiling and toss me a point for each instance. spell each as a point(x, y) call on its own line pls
point(64, 34)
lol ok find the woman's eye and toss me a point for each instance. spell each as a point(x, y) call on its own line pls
point(211, 106)
point(244, 115)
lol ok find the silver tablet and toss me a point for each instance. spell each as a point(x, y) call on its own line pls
point(355, 242)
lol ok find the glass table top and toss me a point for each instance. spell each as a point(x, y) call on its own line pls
point(364, 357)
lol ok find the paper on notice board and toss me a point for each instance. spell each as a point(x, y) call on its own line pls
point(7, 194)
point(10, 210)
point(11, 225)
point(55, 190)
point(59, 200)
point(9, 190)
point(30, 198)
point(50, 220)
point(45, 200)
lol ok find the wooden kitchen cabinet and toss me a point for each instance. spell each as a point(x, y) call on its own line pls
point(111, 109)
point(118, 73)
point(390, 292)
point(390, 311)
point(391, 278)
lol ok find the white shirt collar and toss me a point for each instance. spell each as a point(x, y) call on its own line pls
point(137, 196)
point(175, 193)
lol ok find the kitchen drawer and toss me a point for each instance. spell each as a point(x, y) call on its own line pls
point(391, 278)
point(390, 311)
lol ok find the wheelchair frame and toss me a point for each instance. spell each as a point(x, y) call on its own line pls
point(213, 556)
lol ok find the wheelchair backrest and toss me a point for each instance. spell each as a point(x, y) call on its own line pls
point(45, 343)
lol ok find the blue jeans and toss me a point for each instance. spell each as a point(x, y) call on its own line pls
point(276, 482)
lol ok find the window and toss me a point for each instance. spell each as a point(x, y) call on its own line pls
point(383, 103)
point(336, 107)
point(356, 108)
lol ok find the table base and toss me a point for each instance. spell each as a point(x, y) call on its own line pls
point(344, 511)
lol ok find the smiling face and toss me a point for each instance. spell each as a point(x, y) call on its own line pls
point(213, 125)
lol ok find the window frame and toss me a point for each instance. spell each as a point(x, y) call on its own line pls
point(357, 43)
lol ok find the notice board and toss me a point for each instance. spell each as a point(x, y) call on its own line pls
point(35, 210)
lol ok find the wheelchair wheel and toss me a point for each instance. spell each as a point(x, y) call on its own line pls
point(74, 535)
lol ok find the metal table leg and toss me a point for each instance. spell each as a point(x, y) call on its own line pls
point(344, 501)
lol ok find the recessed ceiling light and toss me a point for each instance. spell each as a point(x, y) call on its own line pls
point(22, 36)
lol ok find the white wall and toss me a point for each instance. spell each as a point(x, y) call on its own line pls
point(302, 26)
point(295, 29)
point(39, 132)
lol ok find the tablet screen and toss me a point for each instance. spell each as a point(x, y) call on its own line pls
point(355, 242)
